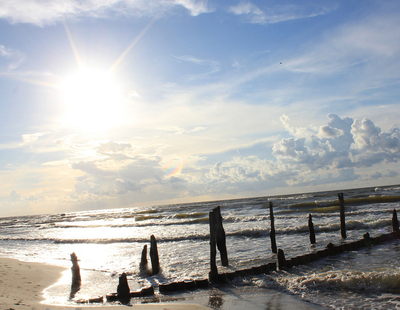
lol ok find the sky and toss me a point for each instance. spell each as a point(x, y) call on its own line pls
point(125, 103)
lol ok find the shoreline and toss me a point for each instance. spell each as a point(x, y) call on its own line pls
point(22, 287)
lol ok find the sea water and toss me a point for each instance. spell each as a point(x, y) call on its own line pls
point(109, 242)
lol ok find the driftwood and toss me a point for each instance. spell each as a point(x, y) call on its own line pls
point(311, 229)
point(155, 263)
point(272, 231)
point(342, 216)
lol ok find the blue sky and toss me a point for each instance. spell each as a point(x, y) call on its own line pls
point(129, 103)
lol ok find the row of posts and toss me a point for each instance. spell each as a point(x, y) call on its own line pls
point(123, 290)
point(217, 235)
point(217, 240)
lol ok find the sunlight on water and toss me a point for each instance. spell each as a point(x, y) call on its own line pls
point(109, 242)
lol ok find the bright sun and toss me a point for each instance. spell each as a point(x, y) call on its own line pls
point(93, 101)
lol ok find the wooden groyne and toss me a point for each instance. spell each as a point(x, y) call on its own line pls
point(217, 239)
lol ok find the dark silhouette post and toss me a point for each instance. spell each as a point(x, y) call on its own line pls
point(342, 217)
point(76, 273)
point(213, 275)
point(76, 276)
point(220, 236)
point(272, 231)
point(155, 263)
point(395, 222)
point(143, 261)
point(311, 229)
point(123, 291)
point(281, 260)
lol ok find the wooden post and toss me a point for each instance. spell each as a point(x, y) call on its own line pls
point(213, 275)
point(342, 217)
point(76, 274)
point(281, 260)
point(395, 222)
point(220, 236)
point(155, 263)
point(123, 291)
point(272, 231)
point(143, 261)
point(311, 229)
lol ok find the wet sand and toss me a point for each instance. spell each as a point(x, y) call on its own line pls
point(22, 285)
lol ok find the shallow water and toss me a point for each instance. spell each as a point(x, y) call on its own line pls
point(109, 242)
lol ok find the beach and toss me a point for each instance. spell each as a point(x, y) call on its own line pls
point(110, 242)
point(22, 285)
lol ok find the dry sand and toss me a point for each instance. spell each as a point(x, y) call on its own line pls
point(22, 285)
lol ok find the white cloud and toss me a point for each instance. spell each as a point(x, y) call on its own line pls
point(271, 15)
point(303, 160)
point(14, 196)
point(29, 138)
point(195, 7)
point(214, 65)
point(51, 11)
point(10, 59)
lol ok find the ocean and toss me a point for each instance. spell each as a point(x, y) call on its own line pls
point(109, 242)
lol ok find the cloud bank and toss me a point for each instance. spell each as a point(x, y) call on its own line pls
point(335, 152)
point(343, 146)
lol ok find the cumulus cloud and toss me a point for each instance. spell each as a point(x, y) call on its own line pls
point(14, 196)
point(372, 146)
point(331, 154)
point(50, 11)
point(271, 15)
point(345, 143)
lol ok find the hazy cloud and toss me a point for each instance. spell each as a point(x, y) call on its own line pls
point(29, 138)
point(50, 11)
point(370, 45)
point(14, 196)
point(212, 64)
point(10, 59)
point(276, 14)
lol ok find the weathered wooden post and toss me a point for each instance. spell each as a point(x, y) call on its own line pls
point(281, 260)
point(220, 236)
point(76, 274)
point(342, 217)
point(213, 275)
point(155, 263)
point(143, 261)
point(311, 229)
point(395, 222)
point(123, 291)
point(272, 231)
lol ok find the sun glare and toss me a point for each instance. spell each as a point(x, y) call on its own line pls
point(93, 101)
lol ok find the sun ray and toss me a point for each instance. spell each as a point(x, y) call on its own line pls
point(73, 46)
point(134, 42)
